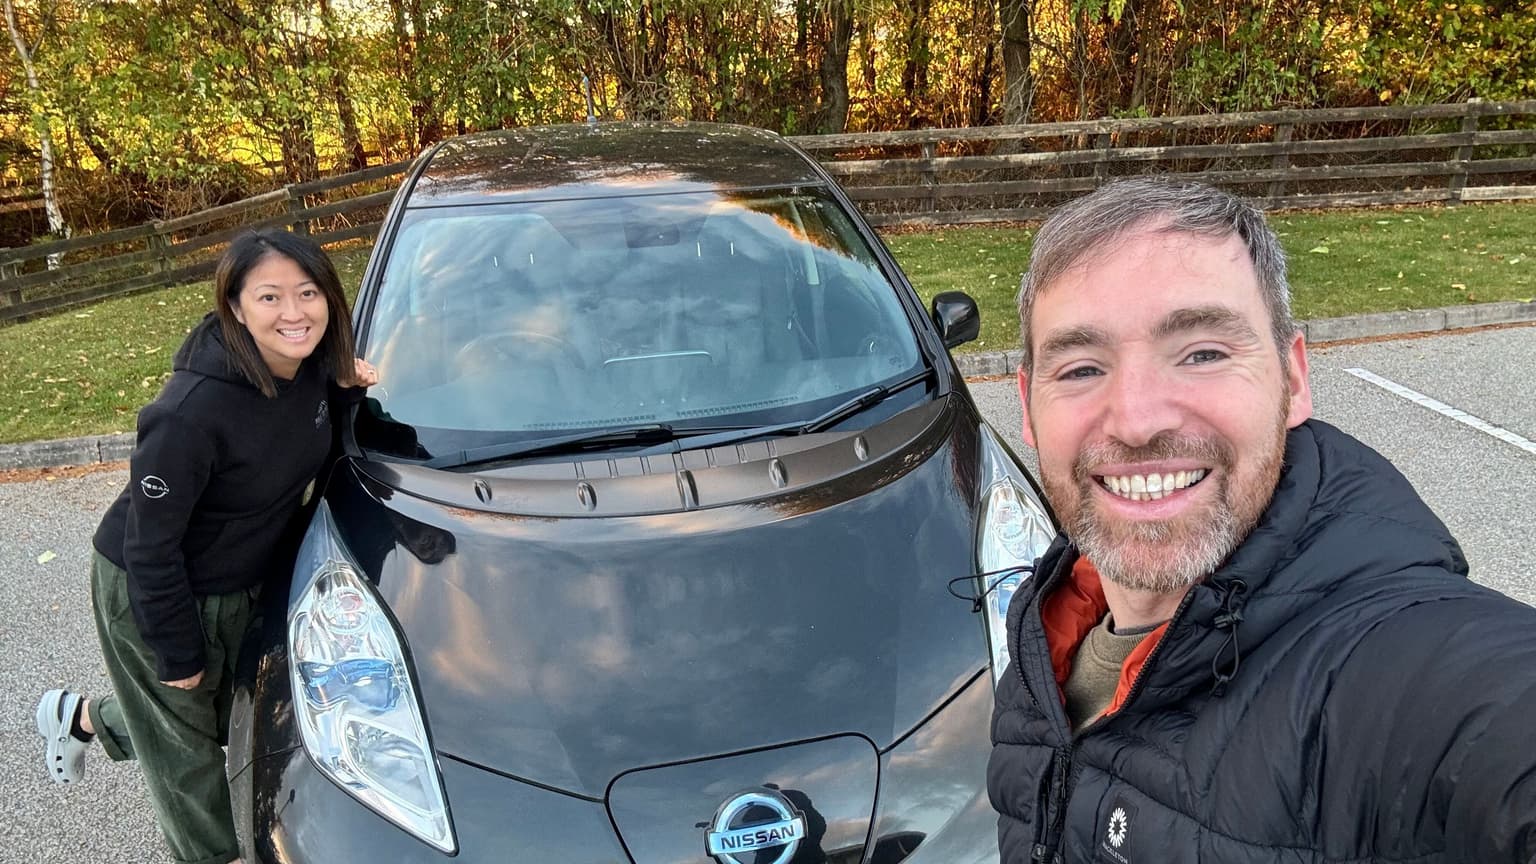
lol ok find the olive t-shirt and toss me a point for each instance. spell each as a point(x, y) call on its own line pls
point(1096, 670)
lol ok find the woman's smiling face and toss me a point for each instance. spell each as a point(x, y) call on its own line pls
point(285, 312)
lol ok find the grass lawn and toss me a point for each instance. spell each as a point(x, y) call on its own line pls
point(1342, 263)
point(87, 371)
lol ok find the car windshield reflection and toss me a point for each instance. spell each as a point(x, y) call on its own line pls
point(510, 321)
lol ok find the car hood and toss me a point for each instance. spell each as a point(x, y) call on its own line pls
point(567, 650)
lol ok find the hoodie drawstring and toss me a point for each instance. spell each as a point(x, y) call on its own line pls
point(1229, 616)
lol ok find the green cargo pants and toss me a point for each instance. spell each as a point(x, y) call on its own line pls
point(176, 735)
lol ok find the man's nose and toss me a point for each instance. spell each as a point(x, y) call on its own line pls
point(1143, 403)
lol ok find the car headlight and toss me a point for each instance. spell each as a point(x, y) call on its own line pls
point(353, 694)
point(1014, 531)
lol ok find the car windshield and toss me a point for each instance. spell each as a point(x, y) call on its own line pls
point(503, 322)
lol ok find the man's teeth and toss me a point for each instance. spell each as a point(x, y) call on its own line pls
point(1150, 487)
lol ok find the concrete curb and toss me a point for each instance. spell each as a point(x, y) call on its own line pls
point(113, 448)
point(67, 451)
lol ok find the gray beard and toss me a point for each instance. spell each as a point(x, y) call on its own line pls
point(1123, 559)
point(1168, 557)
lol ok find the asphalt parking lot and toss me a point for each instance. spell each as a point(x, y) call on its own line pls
point(1483, 486)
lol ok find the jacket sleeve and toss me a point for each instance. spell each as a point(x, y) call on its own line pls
point(1492, 812)
point(343, 397)
point(169, 470)
point(1431, 732)
point(1488, 774)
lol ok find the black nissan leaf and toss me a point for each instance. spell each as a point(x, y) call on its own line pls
point(671, 533)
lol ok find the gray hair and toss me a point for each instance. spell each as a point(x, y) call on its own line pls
point(1096, 220)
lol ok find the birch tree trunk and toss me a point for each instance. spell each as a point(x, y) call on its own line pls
point(44, 133)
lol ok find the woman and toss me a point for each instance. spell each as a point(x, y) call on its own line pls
point(226, 456)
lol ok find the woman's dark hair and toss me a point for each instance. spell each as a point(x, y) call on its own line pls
point(336, 347)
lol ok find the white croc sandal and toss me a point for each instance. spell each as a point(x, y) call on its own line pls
point(66, 753)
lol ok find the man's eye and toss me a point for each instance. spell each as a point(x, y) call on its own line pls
point(1203, 356)
point(1080, 372)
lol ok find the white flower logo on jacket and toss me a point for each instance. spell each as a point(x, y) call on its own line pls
point(1119, 824)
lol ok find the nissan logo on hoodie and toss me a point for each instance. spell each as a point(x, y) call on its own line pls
point(154, 487)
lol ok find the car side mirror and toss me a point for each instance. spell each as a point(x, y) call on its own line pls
point(956, 316)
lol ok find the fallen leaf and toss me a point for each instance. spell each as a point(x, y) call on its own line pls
point(1319, 250)
point(46, 557)
point(1458, 286)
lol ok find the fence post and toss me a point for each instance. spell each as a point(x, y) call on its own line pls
point(296, 204)
point(11, 296)
point(161, 243)
point(1469, 120)
point(930, 176)
point(1281, 161)
point(1102, 142)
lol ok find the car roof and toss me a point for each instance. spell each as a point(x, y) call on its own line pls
point(604, 160)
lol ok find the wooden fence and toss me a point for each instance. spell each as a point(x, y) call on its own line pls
point(1472, 151)
point(187, 248)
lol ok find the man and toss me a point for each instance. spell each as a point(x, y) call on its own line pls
point(1253, 641)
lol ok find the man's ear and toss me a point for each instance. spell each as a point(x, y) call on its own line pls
point(1029, 430)
point(1299, 406)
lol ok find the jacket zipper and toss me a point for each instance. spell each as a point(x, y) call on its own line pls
point(1040, 852)
point(1017, 643)
point(1061, 792)
point(1064, 770)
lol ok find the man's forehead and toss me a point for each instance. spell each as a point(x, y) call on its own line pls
point(1107, 330)
point(1153, 285)
point(1149, 273)
point(1157, 240)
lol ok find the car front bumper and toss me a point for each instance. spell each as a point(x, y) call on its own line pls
point(933, 809)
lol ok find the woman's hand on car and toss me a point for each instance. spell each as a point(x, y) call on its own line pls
point(363, 374)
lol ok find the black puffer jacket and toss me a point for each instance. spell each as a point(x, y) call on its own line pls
point(1375, 705)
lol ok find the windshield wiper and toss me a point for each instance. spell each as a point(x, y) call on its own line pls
point(657, 433)
point(862, 402)
point(640, 434)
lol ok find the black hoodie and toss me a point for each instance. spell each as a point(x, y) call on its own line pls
point(215, 481)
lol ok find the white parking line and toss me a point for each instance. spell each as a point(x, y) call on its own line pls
point(1439, 407)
